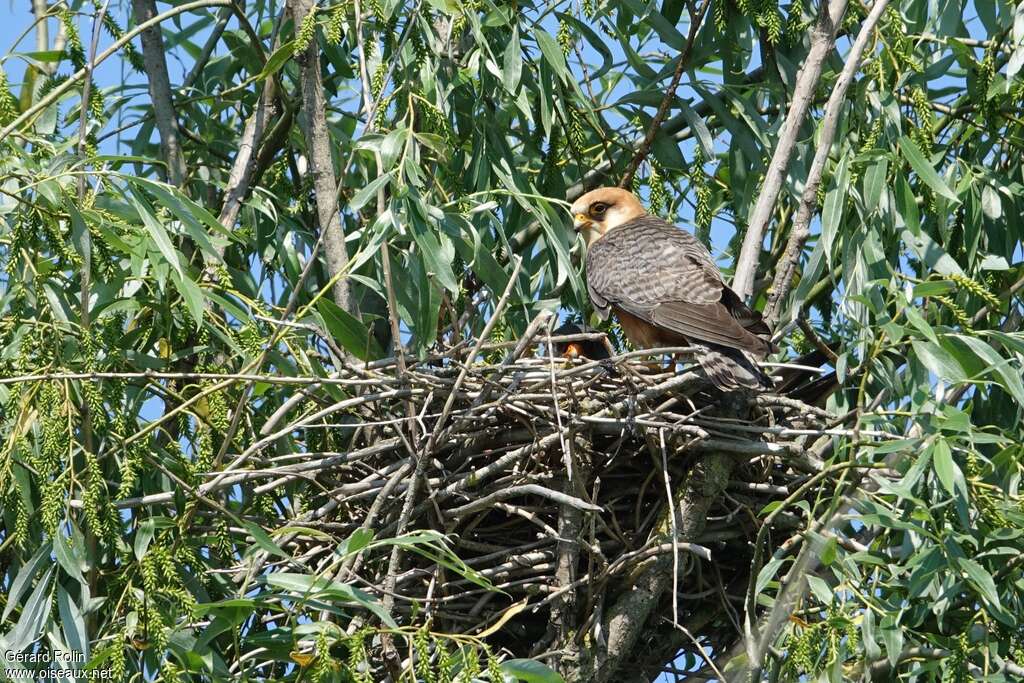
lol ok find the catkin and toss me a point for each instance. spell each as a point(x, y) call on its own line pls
point(307, 31)
point(73, 41)
point(565, 37)
point(335, 24)
point(8, 105)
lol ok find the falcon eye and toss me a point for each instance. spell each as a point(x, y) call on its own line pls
point(598, 209)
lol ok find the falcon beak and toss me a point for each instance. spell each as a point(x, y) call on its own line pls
point(580, 221)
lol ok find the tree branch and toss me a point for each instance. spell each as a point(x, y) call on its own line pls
point(625, 622)
point(74, 78)
point(822, 41)
point(155, 61)
point(696, 21)
point(808, 201)
point(321, 163)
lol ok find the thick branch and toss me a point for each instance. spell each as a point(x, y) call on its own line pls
point(808, 201)
point(822, 41)
point(243, 170)
point(321, 164)
point(155, 61)
point(626, 619)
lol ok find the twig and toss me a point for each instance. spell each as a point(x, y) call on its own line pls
point(525, 489)
point(88, 444)
point(243, 169)
point(675, 532)
point(696, 21)
point(74, 78)
point(427, 452)
point(566, 457)
point(809, 332)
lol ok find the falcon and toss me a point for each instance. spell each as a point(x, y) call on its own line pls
point(666, 290)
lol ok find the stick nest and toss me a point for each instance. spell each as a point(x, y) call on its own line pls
point(549, 476)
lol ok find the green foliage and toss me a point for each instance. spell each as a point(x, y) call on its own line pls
point(112, 422)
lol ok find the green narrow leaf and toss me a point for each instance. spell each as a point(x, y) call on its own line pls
point(360, 198)
point(832, 211)
point(79, 231)
point(264, 541)
point(697, 125)
point(23, 580)
point(321, 588)
point(185, 205)
point(938, 361)
point(767, 573)
point(920, 324)
point(277, 60)
point(892, 638)
point(359, 539)
point(438, 252)
point(596, 41)
point(874, 182)
point(157, 233)
point(1008, 377)
point(930, 253)
point(512, 67)
point(143, 536)
point(348, 331)
point(981, 580)
point(553, 54)
point(906, 204)
point(828, 552)
point(867, 629)
point(924, 169)
point(72, 565)
point(34, 615)
point(945, 468)
point(186, 215)
point(193, 295)
point(72, 622)
point(530, 671)
point(821, 589)
point(991, 203)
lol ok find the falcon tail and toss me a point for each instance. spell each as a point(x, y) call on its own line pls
point(730, 370)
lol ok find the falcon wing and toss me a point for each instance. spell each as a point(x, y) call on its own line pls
point(666, 277)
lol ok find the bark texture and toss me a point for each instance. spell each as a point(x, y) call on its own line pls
point(823, 39)
point(155, 61)
point(321, 164)
point(808, 201)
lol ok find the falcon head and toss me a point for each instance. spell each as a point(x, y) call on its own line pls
point(604, 209)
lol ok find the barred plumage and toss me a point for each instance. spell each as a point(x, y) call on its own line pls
point(666, 290)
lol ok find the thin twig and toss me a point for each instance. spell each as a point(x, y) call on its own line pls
point(696, 21)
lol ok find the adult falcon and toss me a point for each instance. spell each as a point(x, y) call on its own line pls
point(666, 290)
